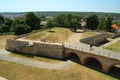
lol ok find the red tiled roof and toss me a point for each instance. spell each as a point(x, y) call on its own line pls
point(115, 26)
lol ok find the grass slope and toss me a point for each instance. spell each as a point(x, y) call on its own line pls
point(22, 72)
point(88, 34)
point(56, 35)
point(114, 47)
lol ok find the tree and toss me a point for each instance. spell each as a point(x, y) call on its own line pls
point(1, 20)
point(92, 22)
point(5, 28)
point(119, 24)
point(49, 24)
point(0, 29)
point(108, 24)
point(15, 22)
point(8, 22)
point(21, 29)
point(59, 20)
point(68, 21)
point(102, 24)
point(75, 25)
point(32, 20)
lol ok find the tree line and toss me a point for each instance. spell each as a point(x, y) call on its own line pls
point(72, 21)
point(32, 22)
point(20, 26)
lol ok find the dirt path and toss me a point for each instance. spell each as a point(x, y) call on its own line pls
point(74, 38)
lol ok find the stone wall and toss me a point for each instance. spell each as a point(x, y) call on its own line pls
point(105, 62)
point(95, 40)
point(113, 35)
point(13, 45)
point(44, 49)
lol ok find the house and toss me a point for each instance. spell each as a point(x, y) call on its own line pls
point(43, 23)
point(115, 28)
point(83, 23)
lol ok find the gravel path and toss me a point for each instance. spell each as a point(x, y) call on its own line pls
point(5, 52)
point(34, 63)
point(1, 78)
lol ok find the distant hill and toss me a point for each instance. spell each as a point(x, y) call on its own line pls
point(54, 13)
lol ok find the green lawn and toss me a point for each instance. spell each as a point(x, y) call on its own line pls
point(56, 35)
point(114, 47)
point(14, 71)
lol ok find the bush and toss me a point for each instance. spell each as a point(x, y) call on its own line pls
point(32, 20)
point(92, 22)
point(21, 29)
point(5, 28)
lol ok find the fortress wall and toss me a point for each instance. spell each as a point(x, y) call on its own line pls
point(113, 35)
point(95, 40)
point(50, 50)
point(12, 45)
point(43, 49)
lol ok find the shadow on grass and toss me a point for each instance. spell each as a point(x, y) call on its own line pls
point(114, 72)
point(94, 64)
point(33, 55)
point(72, 57)
point(51, 31)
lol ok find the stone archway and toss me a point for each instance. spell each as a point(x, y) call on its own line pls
point(114, 70)
point(73, 57)
point(115, 64)
point(94, 63)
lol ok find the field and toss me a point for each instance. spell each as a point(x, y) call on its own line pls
point(114, 47)
point(14, 71)
point(55, 35)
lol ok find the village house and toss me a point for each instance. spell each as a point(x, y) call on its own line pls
point(115, 28)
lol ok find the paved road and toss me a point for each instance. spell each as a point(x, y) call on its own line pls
point(34, 63)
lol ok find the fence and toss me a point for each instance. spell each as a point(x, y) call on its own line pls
point(94, 50)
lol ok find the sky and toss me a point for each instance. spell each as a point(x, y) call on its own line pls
point(112, 6)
